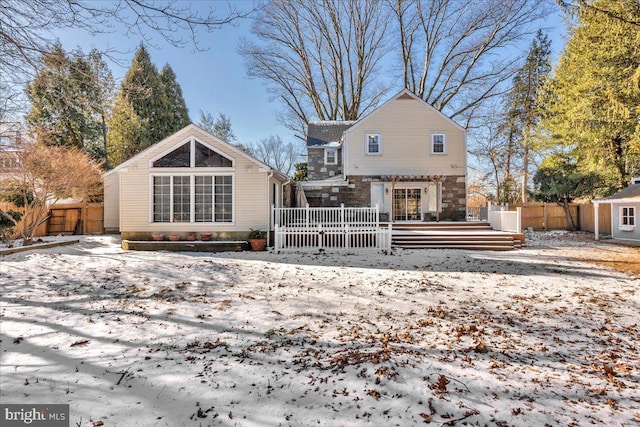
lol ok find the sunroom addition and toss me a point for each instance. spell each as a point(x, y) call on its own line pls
point(192, 183)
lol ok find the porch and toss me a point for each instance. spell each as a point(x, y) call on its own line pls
point(351, 229)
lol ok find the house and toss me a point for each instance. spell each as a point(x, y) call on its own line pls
point(190, 182)
point(406, 157)
point(625, 213)
point(12, 139)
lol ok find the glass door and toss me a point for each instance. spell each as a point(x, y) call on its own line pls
point(406, 204)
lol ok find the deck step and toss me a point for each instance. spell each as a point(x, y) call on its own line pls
point(453, 235)
point(467, 247)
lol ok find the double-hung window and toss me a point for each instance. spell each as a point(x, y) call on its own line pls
point(202, 194)
point(373, 143)
point(330, 156)
point(438, 143)
point(627, 218)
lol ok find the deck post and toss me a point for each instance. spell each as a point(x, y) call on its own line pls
point(519, 220)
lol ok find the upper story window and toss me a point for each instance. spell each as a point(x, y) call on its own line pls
point(193, 154)
point(373, 143)
point(330, 156)
point(438, 143)
point(627, 218)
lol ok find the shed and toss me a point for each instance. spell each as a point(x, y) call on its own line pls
point(625, 213)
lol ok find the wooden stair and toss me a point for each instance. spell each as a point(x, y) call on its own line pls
point(453, 235)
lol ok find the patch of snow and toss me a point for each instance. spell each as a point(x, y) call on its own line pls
point(526, 337)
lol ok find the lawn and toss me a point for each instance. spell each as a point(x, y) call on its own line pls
point(546, 335)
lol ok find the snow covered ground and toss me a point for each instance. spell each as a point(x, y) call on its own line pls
point(531, 337)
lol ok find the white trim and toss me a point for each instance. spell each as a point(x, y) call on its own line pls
point(366, 143)
point(410, 186)
point(192, 201)
point(335, 158)
point(626, 227)
point(188, 131)
point(444, 143)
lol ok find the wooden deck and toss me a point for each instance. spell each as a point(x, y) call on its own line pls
point(453, 235)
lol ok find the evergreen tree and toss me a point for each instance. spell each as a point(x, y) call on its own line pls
point(559, 180)
point(125, 131)
point(593, 98)
point(155, 109)
point(176, 109)
point(70, 100)
point(142, 89)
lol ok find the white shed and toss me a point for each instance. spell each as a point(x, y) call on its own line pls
point(625, 213)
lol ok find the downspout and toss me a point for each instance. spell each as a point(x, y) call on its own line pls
point(269, 176)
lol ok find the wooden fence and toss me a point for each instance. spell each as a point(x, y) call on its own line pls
point(551, 216)
point(67, 219)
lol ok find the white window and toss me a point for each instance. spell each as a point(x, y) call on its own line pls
point(627, 218)
point(193, 154)
point(192, 198)
point(438, 143)
point(373, 143)
point(330, 156)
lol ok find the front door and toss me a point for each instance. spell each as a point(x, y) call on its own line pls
point(406, 204)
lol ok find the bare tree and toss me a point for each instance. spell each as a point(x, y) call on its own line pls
point(458, 53)
point(27, 27)
point(320, 59)
point(497, 155)
point(219, 127)
point(43, 177)
point(275, 153)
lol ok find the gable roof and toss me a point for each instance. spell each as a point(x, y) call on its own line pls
point(626, 194)
point(188, 131)
point(329, 133)
point(407, 94)
point(326, 133)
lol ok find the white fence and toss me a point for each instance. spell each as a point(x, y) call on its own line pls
point(335, 229)
point(330, 217)
point(502, 219)
point(319, 238)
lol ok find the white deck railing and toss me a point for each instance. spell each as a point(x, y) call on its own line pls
point(319, 229)
point(502, 219)
point(330, 217)
point(320, 238)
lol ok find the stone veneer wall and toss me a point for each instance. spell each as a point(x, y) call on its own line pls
point(358, 194)
point(316, 169)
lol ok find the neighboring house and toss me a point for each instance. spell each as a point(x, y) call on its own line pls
point(625, 213)
point(405, 156)
point(191, 182)
point(12, 139)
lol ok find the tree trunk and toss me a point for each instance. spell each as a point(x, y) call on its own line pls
point(567, 212)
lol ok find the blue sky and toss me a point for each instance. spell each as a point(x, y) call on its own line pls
point(216, 79)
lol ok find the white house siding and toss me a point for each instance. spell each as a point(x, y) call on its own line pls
point(250, 192)
point(111, 203)
point(616, 233)
point(406, 126)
